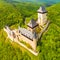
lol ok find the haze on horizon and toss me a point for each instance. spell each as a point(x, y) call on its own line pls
point(42, 1)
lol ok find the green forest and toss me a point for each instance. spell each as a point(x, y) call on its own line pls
point(19, 14)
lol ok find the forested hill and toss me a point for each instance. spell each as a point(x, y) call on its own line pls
point(14, 15)
point(46, 2)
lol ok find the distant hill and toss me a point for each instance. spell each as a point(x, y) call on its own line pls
point(55, 1)
point(46, 2)
point(41, 1)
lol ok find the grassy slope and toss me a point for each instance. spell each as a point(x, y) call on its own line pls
point(11, 13)
point(49, 46)
point(8, 14)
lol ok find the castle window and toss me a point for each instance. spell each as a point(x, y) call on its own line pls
point(19, 31)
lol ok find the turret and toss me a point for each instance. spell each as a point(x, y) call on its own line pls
point(32, 25)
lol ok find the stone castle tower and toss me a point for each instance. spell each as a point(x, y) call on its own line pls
point(32, 25)
point(42, 16)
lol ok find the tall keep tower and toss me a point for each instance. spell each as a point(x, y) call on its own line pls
point(42, 16)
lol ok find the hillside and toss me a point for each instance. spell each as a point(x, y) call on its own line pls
point(45, 2)
point(48, 46)
point(11, 14)
point(8, 14)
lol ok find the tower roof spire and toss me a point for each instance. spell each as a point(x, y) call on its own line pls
point(42, 10)
point(32, 23)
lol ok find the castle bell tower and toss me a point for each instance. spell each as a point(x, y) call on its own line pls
point(42, 16)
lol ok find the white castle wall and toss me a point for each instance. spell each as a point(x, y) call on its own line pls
point(42, 18)
point(32, 43)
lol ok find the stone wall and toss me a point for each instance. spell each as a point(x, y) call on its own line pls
point(44, 29)
point(32, 51)
point(32, 43)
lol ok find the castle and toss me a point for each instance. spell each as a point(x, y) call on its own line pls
point(30, 35)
